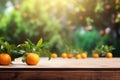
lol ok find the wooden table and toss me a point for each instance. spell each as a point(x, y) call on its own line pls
point(63, 69)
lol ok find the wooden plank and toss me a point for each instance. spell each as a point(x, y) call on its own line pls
point(60, 75)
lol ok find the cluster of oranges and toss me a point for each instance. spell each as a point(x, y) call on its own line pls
point(82, 55)
point(70, 55)
point(29, 52)
point(31, 59)
point(108, 55)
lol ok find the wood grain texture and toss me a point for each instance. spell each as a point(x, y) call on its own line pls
point(63, 69)
point(60, 75)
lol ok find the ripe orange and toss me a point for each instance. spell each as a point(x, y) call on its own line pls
point(95, 55)
point(77, 56)
point(64, 55)
point(54, 55)
point(5, 59)
point(69, 55)
point(109, 55)
point(84, 55)
point(32, 59)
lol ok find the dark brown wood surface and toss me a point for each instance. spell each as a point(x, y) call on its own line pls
point(63, 69)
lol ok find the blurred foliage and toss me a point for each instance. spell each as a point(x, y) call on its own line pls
point(77, 23)
point(87, 39)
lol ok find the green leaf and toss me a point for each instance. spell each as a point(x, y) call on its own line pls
point(23, 58)
point(15, 55)
point(26, 46)
point(45, 51)
point(30, 42)
point(7, 47)
point(49, 56)
point(39, 43)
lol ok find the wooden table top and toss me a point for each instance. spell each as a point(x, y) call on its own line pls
point(63, 69)
point(68, 63)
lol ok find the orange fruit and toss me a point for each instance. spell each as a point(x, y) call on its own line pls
point(32, 59)
point(64, 55)
point(84, 55)
point(69, 55)
point(77, 56)
point(54, 55)
point(5, 59)
point(95, 55)
point(109, 55)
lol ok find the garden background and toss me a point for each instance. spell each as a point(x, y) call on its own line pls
point(62, 23)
